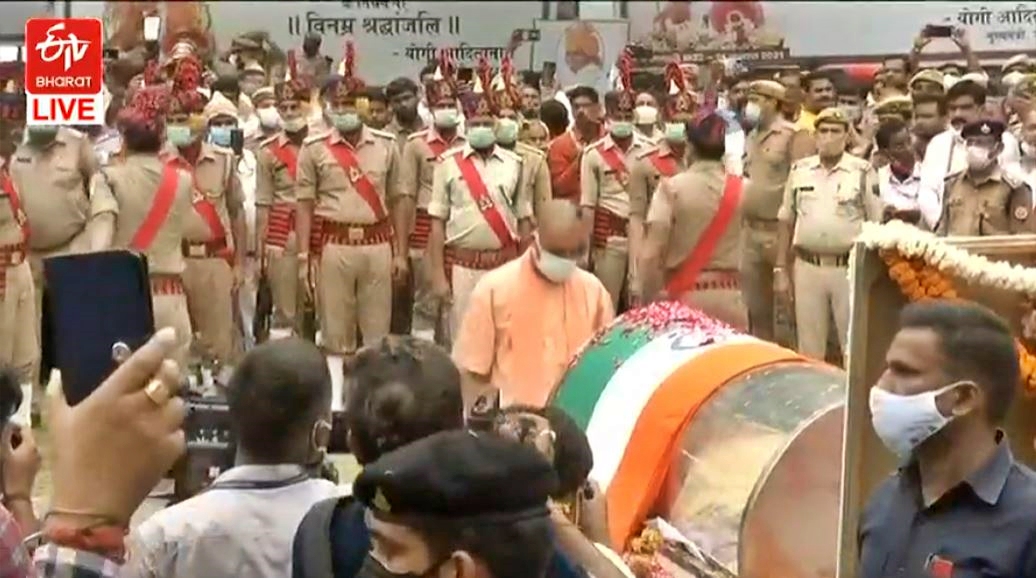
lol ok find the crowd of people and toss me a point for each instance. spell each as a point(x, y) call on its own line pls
point(505, 221)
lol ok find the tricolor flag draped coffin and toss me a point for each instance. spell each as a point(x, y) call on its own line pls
point(636, 386)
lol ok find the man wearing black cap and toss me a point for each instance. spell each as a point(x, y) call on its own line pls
point(693, 241)
point(475, 504)
point(985, 199)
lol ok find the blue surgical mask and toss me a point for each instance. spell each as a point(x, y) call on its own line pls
point(481, 137)
point(179, 134)
point(346, 122)
point(219, 136)
point(622, 129)
point(506, 131)
point(675, 132)
point(446, 117)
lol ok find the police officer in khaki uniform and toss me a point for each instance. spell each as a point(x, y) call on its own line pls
point(506, 102)
point(665, 160)
point(277, 162)
point(480, 208)
point(126, 194)
point(682, 211)
point(215, 263)
point(421, 153)
point(898, 106)
point(770, 149)
point(19, 342)
point(604, 179)
point(826, 200)
point(349, 178)
point(985, 199)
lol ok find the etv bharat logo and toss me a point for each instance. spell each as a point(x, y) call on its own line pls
point(64, 71)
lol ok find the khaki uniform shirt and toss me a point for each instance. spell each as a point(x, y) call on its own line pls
point(535, 174)
point(644, 177)
point(828, 206)
point(767, 163)
point(52, 186)
point(10, 230)
point(273, 182)
point(216, 180)
point(601, 185)
point(321, 179)
point(128, 190)
point(403, 133)
point(415, 173)
point(688, 202)
point(1001, 204)
point(453, 202)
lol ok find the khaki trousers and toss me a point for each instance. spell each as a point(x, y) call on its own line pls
point(282, 272)
point(170, 310)
point(19, 323)
point(820, 291)
point(611, 266)
point(758, 258)
point(463, 281)
point(355, 287)
point(209, 283)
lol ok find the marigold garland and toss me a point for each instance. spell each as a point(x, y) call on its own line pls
point(919, 280)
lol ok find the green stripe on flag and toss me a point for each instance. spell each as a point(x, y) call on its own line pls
point(584, 382)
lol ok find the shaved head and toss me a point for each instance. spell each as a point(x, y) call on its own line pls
point(560, 229)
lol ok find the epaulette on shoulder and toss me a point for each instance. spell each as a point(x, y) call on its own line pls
point(1013, 179)
point(805, 162)
point(646, 153)
point(417, 134)
point(596, 143)
point(315, 137)
point(268, 140)
point(382, 134)
point(514, 155)
point(452, 151)
point(952, 176)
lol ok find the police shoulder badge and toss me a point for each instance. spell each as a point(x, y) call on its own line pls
point(1021, 213)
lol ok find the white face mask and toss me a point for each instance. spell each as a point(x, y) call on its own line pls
point(752, 112)
point(979, 157)
point(269, 117)
point(645, 115)
point(554, 268)
point(904, 422)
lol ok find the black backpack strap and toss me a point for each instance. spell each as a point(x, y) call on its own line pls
point(311, 551)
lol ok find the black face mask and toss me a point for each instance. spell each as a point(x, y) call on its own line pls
point(406, 114)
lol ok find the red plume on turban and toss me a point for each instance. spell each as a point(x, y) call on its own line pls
point(624, 66)
point(186, 80)
point(294, 87)
point(508, 97)
point(349, 84)
point(479, 102)
point(681, 98)
point(143, 117)
point(443, 87)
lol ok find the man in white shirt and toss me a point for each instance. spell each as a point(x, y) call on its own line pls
point(946, 154)
point(900, 179)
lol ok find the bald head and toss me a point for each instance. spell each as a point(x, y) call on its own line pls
point(560, 230)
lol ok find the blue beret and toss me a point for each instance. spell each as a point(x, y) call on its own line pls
point(991, 128)
point(459, 474)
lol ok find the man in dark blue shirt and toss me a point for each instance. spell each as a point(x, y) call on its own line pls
point(959, 505)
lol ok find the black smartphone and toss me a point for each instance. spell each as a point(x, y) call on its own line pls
point(550, 70)
point(237, 141)
point(938, 31)
point(95, 301)
point(465, 74)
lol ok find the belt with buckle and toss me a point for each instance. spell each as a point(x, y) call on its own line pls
point(718, 279)
point(206, 250)
point(163, 284)
point(823, 259)
point(357, 234)
point(12, 255)
point(608, 224)
point(480, 260)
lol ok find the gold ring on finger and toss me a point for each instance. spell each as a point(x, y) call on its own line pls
point(158, 392)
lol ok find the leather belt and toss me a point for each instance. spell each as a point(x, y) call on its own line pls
point(761, 224)
point(480, 260)
point(822, 259)
point(355, 234)
point(12, 255)
point(422, 227)
point(207, 250)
